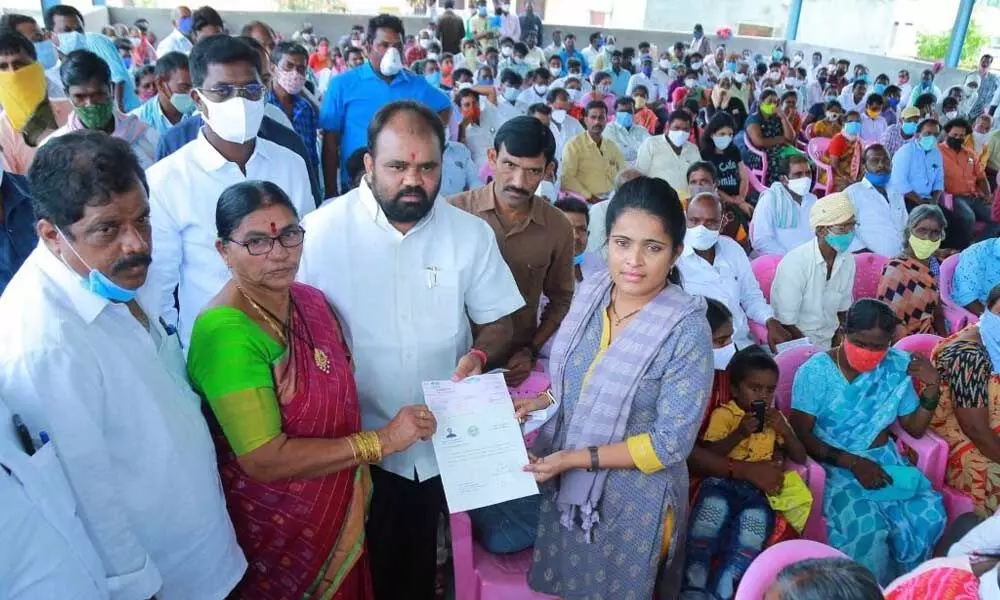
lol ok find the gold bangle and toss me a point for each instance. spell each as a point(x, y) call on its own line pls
point(369, 447)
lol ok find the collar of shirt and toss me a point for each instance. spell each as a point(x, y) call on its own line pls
point(818, 257)
point(211, 159)
point(378, 217)
point(484, 200)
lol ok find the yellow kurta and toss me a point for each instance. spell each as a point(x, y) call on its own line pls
point(589, 170)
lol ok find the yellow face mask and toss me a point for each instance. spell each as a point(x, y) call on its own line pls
point(21, 92)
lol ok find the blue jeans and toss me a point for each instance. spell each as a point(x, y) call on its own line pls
point(730, 521)
point(507, 527)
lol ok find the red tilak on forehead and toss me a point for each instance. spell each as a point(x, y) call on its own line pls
point(413, 156)
point(274, 229)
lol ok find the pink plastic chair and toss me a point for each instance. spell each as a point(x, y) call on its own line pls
point(764, 268)
point(808, 131)
point(485, 172)
point(812, 472)
point(761, 173)
point(816, 149)
point(755, 182)
point(868, 272)
point(764, 569)
point(758, 331)
point(568, 194)
point(956, 315)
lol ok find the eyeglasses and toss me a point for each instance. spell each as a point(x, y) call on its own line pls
point(224, 91)
point(841, 229)
point(259, 246)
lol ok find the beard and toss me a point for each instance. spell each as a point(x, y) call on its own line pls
point(398, 211)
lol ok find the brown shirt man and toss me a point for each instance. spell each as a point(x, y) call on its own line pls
point(451, 30)
point(539, 252)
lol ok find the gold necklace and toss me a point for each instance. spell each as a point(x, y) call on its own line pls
point(614, 313)
point(320, 357)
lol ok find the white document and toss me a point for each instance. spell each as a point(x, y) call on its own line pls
point(803, 341)
point(478, 443)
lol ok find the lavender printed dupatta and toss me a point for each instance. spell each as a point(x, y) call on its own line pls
point(601, 413)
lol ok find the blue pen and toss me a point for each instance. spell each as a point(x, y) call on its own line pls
point(44, 436)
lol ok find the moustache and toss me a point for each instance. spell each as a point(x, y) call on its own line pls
point(514, 190)
point(136, 260)
point(411, 191)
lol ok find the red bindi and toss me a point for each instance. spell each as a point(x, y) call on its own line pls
point(274, 229)
point(413, 156)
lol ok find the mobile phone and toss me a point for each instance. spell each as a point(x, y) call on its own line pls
point(759, 411)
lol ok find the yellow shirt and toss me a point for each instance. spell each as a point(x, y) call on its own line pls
point(588, 170)
point(757, 447)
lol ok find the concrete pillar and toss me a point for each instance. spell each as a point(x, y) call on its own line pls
point(794, 11)
point(958, 33)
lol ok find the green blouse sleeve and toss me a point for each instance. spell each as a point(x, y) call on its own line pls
point(229, 362)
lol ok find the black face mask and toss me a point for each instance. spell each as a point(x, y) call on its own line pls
point(954, 143)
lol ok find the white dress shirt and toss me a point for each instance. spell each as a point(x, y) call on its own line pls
point(657, 158)
point(847, 100)
point(505, 111)
point(880, 221)
point(479, 138)
point(45, 551)
point(597, 231)
point(655, 90)
point(801, 295)
point(765, 235)
point(628, 140)
point(407, 300)
point(115, 400)
point(730, 280)
point(528, 97)
point(174, 42)
point(184, 189)
point(564, 132)
point(458, 171)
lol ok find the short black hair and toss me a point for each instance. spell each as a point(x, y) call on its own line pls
point(626, 101)
point(678, 115)
point(81, 66)
point(927, 122)
point(540, 108)
point(466, 93)
point(868, 313)
point(925, 100)
point(641, 88)
point(241, 199)
point(249, 27)
point(511, 78)
point(959, 122)
point(170, 62)
point(61, 10)
point(387, 112)
point(14, 20)
point(526, 137)
point(717, 313)
point(205, 16)
point(457, 73)
point(355, 166)
point(569, 36)
point(573, 205)
point(352, 50)
point(874, 98)
point(573, 62)
point(521, 48)
point(703, 165)
point(122, 43)
point(12, 42)
point(556, 94)
point(601, 76)
point(747, 360)
point(384, 21)
point(144, 71)
point(80, 169)
point(595, 36)
point(289, 48)
point(219, 49)
point(595, 105)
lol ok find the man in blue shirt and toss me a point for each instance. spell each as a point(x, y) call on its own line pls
point(66, 24)
point(172, 101)
point(569, 51)
point(977, 273)
point(353, 98)
point(289, 62)
point(19, 237)
point(619, 76)
point(917, 168)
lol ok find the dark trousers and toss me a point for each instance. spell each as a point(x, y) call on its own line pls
point(402, 535)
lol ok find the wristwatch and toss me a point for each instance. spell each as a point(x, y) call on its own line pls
point(595, 459)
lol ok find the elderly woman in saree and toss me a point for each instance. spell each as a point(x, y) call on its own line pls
point(969, 415)
point(631, 369)
point(269, 358)
point(880, 510)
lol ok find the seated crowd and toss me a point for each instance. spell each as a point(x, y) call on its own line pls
point(232, 260)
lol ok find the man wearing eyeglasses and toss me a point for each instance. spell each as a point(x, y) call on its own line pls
point(185, 187)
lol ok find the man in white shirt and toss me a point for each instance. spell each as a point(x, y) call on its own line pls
point(622, 132)
point(668, 156)
point(479, 125)
point(510, 23)
point(46, 552)
point(717, 267)
point(177, 40)
point(86, 359)
point(187, 184)
point(458, 171)
point(593, 50)
point(536, 56)
point(408, 272)
point(881, 211)
point(535, 94)
point(781, 218)
point(505, 98)
point(813, 285)
point(645, 77)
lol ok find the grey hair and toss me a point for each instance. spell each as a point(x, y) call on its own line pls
point(706, 194)
point(826, 579)
point(625, 176)
point(922, 212)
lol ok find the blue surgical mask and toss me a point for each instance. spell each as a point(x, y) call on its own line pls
point(433, 78)
point(878, 179)
point(578, 259)
point(71, 40)
point(482, 11)
point(880, 88)
point(624, 119)
point(778, 54)
point(128, 61)
point(853, 128)
point(731, 67)
point(893, 102)
point(928, 142)
point(840, 241)
point(99, 283)
point(46, 52)
point(908, 128)
point(989, 331)
point(184, 25)
point(183, 103)
point(831, 98)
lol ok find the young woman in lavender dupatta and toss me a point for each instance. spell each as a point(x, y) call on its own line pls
point(631, 369)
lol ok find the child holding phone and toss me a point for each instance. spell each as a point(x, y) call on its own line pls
point(731, 519)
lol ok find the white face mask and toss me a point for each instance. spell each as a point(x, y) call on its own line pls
point(722, 141)
point(506, 50)
point(609, 48)
point(792, 82)
point(236, 120)
point(951, 114)
point(678, 138)
point(425, 44)
point(540, 89)
point(740, 77)
point(722, 356)
point(547, 189)
point(555, 71)
point(800, 185)
point(696, 65)
point(690, 83)
point(574, 95)
point(391, 63)
point(559, 115)
point(664, 64)
point(511, 94)
point(432, 56)
point(700, 237)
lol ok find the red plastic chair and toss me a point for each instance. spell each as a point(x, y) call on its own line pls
point(868, 272)
point(816, 149)
point(761, 173)
point(764, 268)
point(956, 315)
point(763, 571)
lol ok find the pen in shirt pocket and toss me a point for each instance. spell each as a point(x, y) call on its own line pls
point(24, 435)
